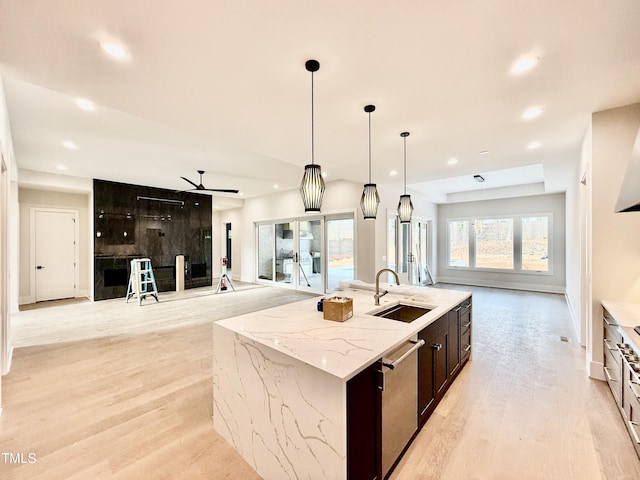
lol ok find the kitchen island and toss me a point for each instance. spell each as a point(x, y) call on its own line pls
point(281, 377)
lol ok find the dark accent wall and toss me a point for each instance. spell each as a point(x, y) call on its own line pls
point(133, 221)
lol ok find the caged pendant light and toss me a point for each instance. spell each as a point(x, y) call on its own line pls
point(370, 199)
point(405, 207)
point(312, 185)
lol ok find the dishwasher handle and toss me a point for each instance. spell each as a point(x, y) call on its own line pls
point(416, 345)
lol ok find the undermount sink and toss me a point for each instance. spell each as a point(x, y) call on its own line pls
point(402, 312)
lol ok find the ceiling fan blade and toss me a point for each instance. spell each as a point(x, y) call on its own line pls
point(187, 180)
point(222, 190)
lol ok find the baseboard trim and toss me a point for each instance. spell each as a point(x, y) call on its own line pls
point(596, 370)
point(27, 299)
point(507, 285)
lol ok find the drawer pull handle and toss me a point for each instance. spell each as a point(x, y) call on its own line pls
point(610, 323)
point(608, 344)
point(467, 348)
point(633, 426)
point(608, 375)
point(466, 325)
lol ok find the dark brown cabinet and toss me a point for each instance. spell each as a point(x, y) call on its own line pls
point(447, 348)
point(464, 318)
point(364, 417)
point(454, 340)
point(433, 372)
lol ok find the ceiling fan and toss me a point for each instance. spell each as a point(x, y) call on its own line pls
point(202, 188)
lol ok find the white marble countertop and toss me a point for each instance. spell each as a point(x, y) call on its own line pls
point(342, 349)
point(627, 316)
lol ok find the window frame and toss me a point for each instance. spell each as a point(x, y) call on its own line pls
point(517, 244)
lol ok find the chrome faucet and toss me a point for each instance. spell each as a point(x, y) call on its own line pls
point(378, 294)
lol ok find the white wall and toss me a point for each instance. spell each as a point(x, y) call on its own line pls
point(71, 201)
point(340, 196)
point(553, 203)
point(616, 244)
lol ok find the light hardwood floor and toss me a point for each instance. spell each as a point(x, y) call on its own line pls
point(112, 390)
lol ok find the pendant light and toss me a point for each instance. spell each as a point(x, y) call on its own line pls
point(405, 207)
point(312, 185)
point(370, 199)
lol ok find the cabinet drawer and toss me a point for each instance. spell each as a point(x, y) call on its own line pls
point(465, 317)
point(613, 374)
point(465, 344)
point(611, 354)
point(610, 328)
point(465, 325)
point(632, 412)
point(631, 386)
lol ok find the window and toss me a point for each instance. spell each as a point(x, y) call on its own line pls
point(391, 242)
point(515, 243)
point(494, 243)
point(535, 243)
point(458, 243)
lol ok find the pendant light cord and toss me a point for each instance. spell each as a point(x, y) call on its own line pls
point(312, 125)
point(405, 165)
point(369, 147)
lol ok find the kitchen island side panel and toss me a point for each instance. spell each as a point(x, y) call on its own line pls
point(286, 418)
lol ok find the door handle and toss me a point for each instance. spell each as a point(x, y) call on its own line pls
point(436, 346)
point(39, 267)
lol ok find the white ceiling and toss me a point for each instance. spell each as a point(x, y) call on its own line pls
point(221, 86)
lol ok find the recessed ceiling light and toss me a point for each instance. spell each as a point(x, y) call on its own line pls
point(69, 144)
point(393, 173)
point(115, 49)
point(523, 65)
point(324, 174)
point(531, 113)
point(533, 145)
point(484, 152)
point(85, 104)
point(452, 161)
point(275, 185)
point(241, 194)
point(61, 167)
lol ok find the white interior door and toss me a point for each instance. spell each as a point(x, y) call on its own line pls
point(55, 254)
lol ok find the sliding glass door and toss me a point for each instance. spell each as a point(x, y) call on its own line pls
point(340, 251)
point(310, 253)
point(409, 249)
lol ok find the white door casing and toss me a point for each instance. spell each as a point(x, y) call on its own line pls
point(5, 356)
point(54, 253)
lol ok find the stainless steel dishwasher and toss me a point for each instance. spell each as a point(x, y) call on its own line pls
point(399, 400)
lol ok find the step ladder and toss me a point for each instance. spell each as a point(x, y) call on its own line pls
point(141, 281)
point(224, 278)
